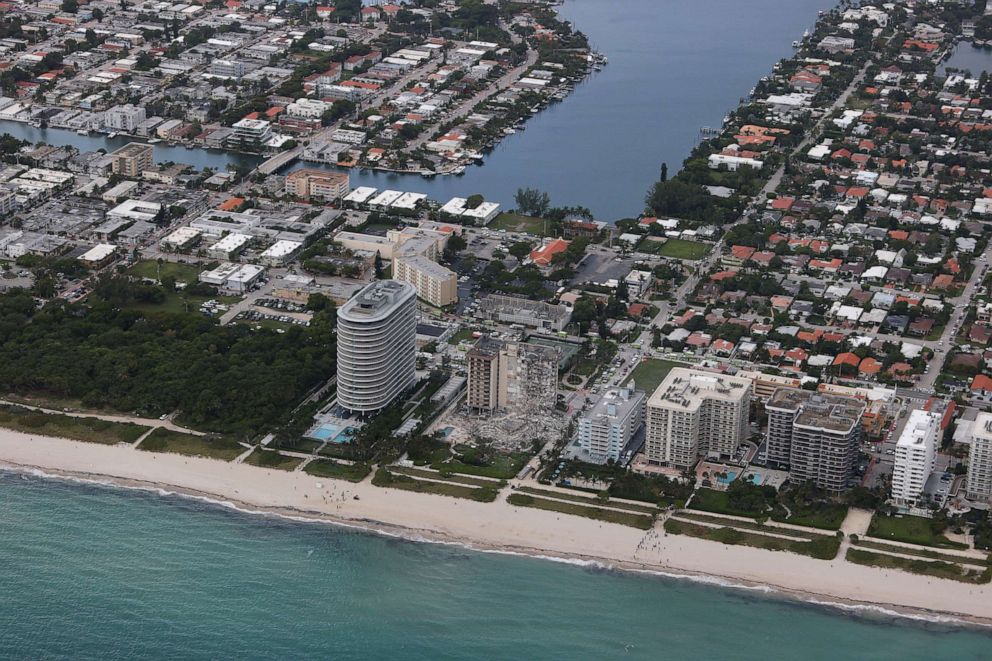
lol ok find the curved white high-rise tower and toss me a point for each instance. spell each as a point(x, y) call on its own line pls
point(377, 351)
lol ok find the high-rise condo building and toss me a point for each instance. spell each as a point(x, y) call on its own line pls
point(132, 159)
point(511, 374)
point(693, 414)
point(607, 427)
point(979, 484)
point(916, 451)
point(377, 354)
point(815, 435)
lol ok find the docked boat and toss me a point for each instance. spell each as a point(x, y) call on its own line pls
point(83, 131)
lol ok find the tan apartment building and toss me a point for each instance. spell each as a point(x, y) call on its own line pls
point(511, 374)
point(486, 375)
point(132, 159)
point(694, 414)
point(311, 183)
point(436, 284)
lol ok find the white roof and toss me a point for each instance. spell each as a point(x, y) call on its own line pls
point(386, 198)
point(98, 253)
point(282, 248)
point(360, 195)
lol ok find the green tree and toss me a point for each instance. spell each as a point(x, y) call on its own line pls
point(532, 201)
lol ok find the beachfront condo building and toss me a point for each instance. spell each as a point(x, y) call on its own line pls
point(132, 159)
point(486, 375)
point(377, 354)
point(695, 414)
point(607, 427)
point(979, 484)
point(511, 375)
point(916, 452)
point(816, 436)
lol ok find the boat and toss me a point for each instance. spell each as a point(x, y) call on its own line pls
point(154, 141)
point(111, 135)
point(796, 44)
point(83, 131)
point(460, 170)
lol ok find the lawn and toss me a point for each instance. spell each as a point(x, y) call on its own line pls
point(822, 548)
point(464, 334)
point(166, 440)
point(744, 525)
point(597, 513)
point(515, 222)
point(503, 467)
point(937, 568)
point(651, 372)
point(682, 249)
point(152, 269)
point(337, 470)
point(826, 516)
point(593, 502)
point(91, 430)
point(910, 530)
point(272, 459)
point(384, 478)
point(434, 475)
point(176, 303)
point(709, 500)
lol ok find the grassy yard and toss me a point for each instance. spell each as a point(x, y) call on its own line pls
point(90, 430)
point(634, 520)
point(272, 459)
point(166, 440)
point(682, 249)
point(822, 548)
point(385, 478)
point(434, 475)
point(504, 467)
point(515, 222)
point(937, 568)
point(651, 372)
point(826, 516)
point(744, 525)
point(464, 334)
point(151, 269)
point(337, 470)
point(177, 303)
point(593, 502)
point(922, 553)
point(709, 500)
point(909, 529)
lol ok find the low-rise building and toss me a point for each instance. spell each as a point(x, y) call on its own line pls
point(132, 160)
point(436, 284)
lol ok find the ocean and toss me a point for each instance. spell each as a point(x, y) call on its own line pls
point(104, 572)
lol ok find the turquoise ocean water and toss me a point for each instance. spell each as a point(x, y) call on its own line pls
point(93, 572)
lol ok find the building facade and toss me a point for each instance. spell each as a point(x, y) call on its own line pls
point(815, 435)
point(124, 118)
point(916, 451)
point(511, 374)
point(309, 183)
point(979, 483)
point(132, 160)
point(604, 430)
point(377, 354)
point(436, 284)
point(694, 414)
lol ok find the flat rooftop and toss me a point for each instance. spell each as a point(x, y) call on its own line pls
point(378, 299)
point(688, 388)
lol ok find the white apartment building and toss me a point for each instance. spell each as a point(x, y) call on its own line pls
point(436, 284)
point(377, 352)
point(916, 451)
point(124, 118)
point(605, 430)
point(228, 68)
point(694, 414)
point(251, 130)
point(979, 484)
point(307, 108)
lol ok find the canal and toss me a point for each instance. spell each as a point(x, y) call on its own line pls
point(674, 68)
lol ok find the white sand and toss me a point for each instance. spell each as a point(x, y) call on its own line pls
point(497, 525)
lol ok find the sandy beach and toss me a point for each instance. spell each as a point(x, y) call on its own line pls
point(498, 526)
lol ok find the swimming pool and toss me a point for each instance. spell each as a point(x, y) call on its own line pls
point(728, 479)
point(755, 479)
point(331, 433)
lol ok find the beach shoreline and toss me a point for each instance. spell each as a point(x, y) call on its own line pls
point(502, 528)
